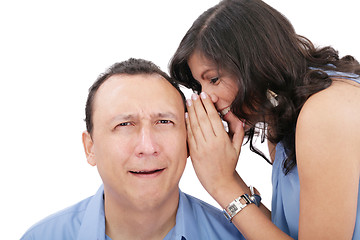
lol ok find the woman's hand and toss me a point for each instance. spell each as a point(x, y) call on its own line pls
point(214, 156)
point(213, 153)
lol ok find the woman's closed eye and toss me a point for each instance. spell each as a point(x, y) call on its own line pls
point(214, 80)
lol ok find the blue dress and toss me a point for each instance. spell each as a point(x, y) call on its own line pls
point(285, 203)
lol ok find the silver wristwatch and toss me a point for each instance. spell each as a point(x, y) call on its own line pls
point(236, 206)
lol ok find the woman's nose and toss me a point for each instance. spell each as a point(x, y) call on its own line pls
point(213, 97)
point(208, 89)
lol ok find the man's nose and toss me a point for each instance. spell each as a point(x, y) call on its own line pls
point(147, 143)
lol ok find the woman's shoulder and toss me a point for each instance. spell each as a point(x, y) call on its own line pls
point(329, 119)
point(339, 102)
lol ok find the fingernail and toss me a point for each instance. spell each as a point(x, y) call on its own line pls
point(188, 102)
point(203, 95)
point(186, 115)
point(194, 96)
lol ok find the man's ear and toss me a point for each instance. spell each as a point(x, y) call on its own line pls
point(88, 147)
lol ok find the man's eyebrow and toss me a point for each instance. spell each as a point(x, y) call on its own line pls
point(165, 115)
point(126, 117)
point(123, 117)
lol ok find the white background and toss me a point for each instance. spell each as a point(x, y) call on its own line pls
point(50, 54)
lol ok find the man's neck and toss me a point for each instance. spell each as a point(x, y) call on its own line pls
point(132, 223)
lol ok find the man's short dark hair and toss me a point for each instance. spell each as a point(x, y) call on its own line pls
point(131, 66)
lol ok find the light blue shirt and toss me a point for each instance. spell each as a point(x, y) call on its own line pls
point(195, 220)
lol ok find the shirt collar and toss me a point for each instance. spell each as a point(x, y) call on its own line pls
point(93, 224)
point(186, 226)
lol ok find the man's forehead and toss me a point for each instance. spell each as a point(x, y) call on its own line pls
point(138, 81)
point(142, 89)
point(133, 77)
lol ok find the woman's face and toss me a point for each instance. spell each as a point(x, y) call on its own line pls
point(219, 85)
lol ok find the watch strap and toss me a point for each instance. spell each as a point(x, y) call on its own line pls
point(255, 195)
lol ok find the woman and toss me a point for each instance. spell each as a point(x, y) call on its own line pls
point(261, 77)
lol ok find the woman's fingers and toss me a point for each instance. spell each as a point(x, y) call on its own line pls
point(236, 129)
point(190, 136)
point(199, 119)
point(213, 115)
point(205, 121)
point(193, 124)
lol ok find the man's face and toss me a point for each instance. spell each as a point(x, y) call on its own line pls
point(139, 138)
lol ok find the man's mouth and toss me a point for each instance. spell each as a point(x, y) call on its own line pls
point(149, 173)
point(224, 111)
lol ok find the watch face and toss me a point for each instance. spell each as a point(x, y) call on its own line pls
point(233, 208)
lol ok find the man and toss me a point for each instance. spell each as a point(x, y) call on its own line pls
point(136, 136)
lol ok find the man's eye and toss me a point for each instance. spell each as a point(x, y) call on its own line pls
point(214, 80)
point(165, 122)
point(125, 124)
